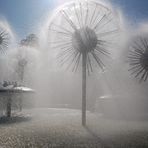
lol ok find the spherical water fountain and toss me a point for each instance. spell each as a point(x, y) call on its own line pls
point(138, 57)
point(4, 39)
point(83, 31)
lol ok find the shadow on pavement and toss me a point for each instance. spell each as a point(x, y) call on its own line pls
point(96, 137)
point(13, 119)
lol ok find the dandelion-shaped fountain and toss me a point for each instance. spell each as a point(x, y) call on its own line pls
point(138, 58)
point(4, 40)
point(83, 31)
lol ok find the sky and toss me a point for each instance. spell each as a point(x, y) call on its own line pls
point(24, 15)
point(135, 10)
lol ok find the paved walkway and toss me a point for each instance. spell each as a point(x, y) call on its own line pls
point(61, 128)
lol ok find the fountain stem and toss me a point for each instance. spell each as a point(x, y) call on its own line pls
point(84, 56)
point(9, 106)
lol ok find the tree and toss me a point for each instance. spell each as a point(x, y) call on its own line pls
point(86, 30)
point(31, 40)
point(20, 69)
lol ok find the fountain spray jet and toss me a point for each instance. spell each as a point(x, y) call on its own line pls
point(83, 32)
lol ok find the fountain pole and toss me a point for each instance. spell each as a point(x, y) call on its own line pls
point(9, 100)
point(84, 56)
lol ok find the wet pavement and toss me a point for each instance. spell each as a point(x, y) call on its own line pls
point(61, 128)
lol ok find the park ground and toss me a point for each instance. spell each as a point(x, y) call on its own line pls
point(61, 128)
